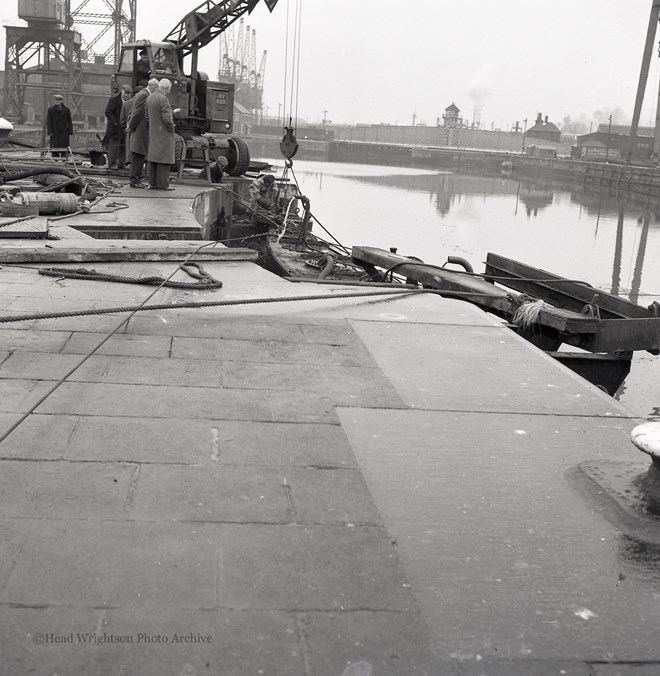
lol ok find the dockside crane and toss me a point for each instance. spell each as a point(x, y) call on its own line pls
point(206, 107)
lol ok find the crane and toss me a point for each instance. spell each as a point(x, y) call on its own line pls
point(207, 107)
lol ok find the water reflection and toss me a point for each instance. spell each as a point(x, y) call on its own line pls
point(610, 239)
point(450, 191)
point(535, 199)
point(639, 261)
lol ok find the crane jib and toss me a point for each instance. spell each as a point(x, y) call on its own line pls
point(209, 19)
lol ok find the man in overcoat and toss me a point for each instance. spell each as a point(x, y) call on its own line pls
point(160, 154)
point(139, 133)
point(124, 117)
point(142, 71)
point(59, 126)
point(114, 132)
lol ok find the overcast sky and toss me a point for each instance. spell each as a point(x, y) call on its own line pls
point(383, 61)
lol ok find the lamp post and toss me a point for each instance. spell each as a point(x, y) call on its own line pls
point(609, 135)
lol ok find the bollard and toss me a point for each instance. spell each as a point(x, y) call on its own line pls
point(646, 438)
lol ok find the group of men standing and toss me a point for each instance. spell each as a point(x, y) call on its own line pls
point(141, 130)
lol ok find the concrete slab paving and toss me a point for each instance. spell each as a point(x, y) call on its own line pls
point(121, 370)
point(238, 328)
point(301, 407)
point(13, 534)
point(121, 345)
point(329, 496)
point(391, 644)
point(18, 396)
point(314, 485)
point(115, 564)
point(141, 440)
point(347, 385)
point(626, 669)
point(218, 494)
point(231, 643)
point(40, 437)
point(157, 401)
point(311, 567)
point(45, 640)
point(270, 351)
point(64, 490)
point(200, 442)
point(510, 380)
point(33, 341)
point(526, 667)
point(507, 558)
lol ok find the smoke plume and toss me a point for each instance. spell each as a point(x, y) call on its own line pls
point(480, 86)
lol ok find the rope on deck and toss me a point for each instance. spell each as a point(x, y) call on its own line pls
point(124, 321)
point(219, 303)
point(206, 281)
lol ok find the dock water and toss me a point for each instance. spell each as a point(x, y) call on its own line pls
point(327, 487)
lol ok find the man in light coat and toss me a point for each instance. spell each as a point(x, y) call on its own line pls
point(139, 133)
point(160, 154)
point(263, 199)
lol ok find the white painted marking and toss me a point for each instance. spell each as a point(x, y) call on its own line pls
point(392, 315)
point(215, 444)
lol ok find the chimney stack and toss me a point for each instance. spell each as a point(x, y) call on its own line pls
point(546, 119)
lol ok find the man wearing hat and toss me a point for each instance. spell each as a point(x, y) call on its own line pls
point(139, 133)
point(263, 199)
point(59, 126)
point(217, 169)
point(142, 69)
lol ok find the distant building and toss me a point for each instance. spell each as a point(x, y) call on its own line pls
point(540, 150)
point(625, 129)
point(618, 144)
point(451, 117)
point(544, 130)
point(593, 150)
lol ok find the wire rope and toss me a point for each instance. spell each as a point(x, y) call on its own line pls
point(71, 371)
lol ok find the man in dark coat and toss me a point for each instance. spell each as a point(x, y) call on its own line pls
point(114, 132)
point(160, 154)
point(124, 117)
point(142, 69)
point(59, 126)
point(139, 133)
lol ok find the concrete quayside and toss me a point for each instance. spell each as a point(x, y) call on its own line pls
point(338, 486)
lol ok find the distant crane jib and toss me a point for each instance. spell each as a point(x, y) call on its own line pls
point(208, 20)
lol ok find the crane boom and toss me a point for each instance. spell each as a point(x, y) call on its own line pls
point(204, 23)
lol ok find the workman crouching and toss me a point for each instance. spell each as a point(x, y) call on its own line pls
point(263, 201)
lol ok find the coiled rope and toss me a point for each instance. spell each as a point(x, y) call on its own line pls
point(206, 280)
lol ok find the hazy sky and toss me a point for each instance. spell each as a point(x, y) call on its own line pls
point(382, 61)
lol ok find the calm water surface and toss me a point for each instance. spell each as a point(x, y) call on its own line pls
point(613, 243)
